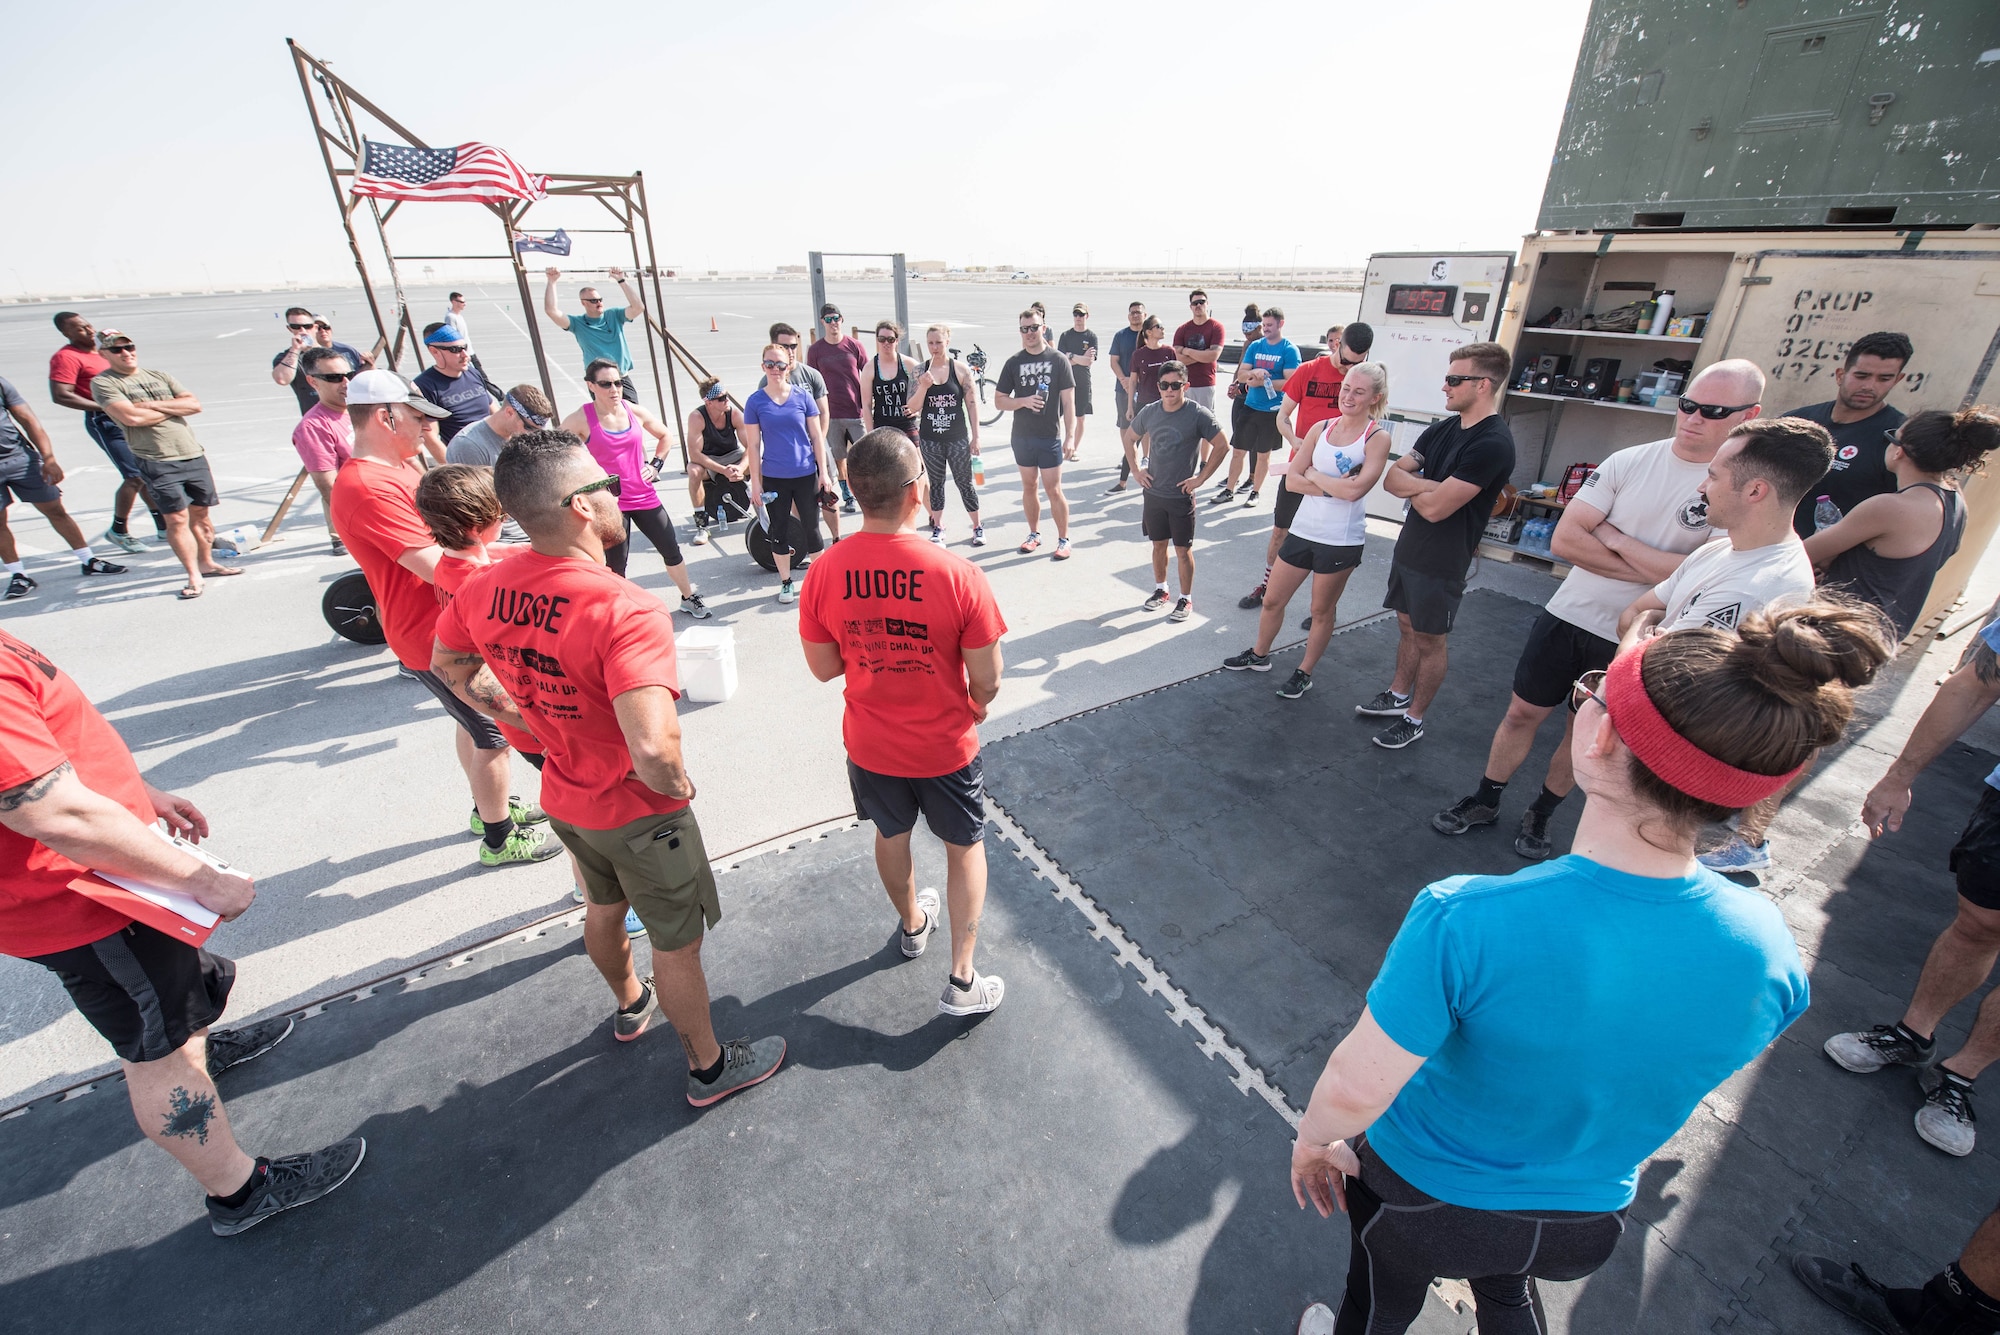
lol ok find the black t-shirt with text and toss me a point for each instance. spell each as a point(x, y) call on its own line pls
point(1023, 377)
point(1858, 470)
point(1482, 454)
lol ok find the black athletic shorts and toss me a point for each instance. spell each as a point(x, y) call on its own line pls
point(178, 483)
point(1081, 399)
point(1287, 508)
point(1429, 601)
point(954, 804)
point(1322, 558)
point(1555, 655)
point(1975, 858)
point(144, 991)
point(1258, 432)
point(485, 735)
point(1168, 519)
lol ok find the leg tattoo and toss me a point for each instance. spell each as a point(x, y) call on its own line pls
point(190, 1115)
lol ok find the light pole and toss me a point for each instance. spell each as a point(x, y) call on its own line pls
point(1086, 264)
point(1239, 264)
point(1295, 265)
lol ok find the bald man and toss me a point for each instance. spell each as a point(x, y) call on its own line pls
point(1634, 520)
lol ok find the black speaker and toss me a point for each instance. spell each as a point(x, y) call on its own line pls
point(1552, 364)
point(1600, 378)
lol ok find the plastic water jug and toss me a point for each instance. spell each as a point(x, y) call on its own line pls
point(707, 660)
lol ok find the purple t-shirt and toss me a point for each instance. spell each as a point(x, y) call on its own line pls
point(785, 448)
point(839, 364)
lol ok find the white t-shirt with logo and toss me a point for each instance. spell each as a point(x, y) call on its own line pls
point(1718, 586)
point(1650, 494)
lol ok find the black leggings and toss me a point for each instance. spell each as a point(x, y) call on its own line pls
point(802, 494)
point(957, 456)
point(653, 523)
point(1402, 1239)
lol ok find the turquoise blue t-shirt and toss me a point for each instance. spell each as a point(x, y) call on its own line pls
point(1571, 1017)
point(603, 336)
point(1280, 358)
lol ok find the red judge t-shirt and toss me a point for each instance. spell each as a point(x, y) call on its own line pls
point(45, 719)
point(566, 637)
point(899, 607)
point(374, 511)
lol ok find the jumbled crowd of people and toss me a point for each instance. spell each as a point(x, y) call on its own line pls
point(1487, 1116)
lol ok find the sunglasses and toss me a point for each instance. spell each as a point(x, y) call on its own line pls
point(1030, 328)
point(607, 483)
point(789, 347)
point(456, 349)
point(830, 319)
point(885, 338)
point(1586, 688)
point(1344, 362)
point(593, 301)
point(1197, 302)
point(1714, 412)
point(298, 328)
point(1456, 380)
point(914, 481)
point(332, 377)
point(123, 347)
point(772, 364)
point(1175, 385)
point(605, 384)
point(321, 324)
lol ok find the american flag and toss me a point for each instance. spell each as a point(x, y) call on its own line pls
point(473, 173)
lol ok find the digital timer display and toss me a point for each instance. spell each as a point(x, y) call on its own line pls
point(1421, 299)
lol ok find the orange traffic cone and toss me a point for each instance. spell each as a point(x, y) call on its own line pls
point(713, 328)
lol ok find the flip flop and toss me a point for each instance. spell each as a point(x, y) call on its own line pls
point(189, 593)
point(221, 571)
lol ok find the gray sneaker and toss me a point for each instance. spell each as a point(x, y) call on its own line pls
point(1945, 1120)
point(1386, 704)
point(295, 1180)
point(1470, 813)
point(927, 904)
point(124, 542)
point(627, 1025)
point(1182, 610)
point(1400, 734)
point(744, 1064)
point(1533, 841)
point(233, 1047)
point(696, 608)
point(1249, 660)
point(1849, 1289)
point(1297, 685)
point(984, 995)
point(1155, 601)
point(1869, 1051)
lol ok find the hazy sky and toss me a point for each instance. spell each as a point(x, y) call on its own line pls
point(158, 145)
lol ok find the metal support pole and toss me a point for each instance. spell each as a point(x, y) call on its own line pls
point(639, 267)
point(284, 505)
point(816, 269)
point(510, 220)
point(299, 61)
point(660, 314)
point(900, 273)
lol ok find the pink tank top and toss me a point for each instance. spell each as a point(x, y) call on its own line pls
point(623, 454)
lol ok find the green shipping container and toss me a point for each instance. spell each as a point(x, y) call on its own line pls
point(1730, 114)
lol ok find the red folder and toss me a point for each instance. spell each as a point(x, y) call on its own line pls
point(141, 909)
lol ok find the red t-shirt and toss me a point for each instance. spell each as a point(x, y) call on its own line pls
point(899, 607)
point(566, 637)
point(452, 574)
point(1315, 387)
point(76, 367)
point(1200, 337)
point(44, 720)
point(375, 513)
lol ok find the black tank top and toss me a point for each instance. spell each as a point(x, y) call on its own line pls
point(944, 410)
point(1898, 585)
point(892, 397)
point(719, 442)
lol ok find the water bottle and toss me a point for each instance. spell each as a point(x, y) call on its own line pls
point(768, 497)
point(978, 471)
point(1825, 514)
point(1042, 388)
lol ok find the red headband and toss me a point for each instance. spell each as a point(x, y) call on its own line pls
point(1679, 763)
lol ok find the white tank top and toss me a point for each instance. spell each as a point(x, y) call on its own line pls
point(1324, 519)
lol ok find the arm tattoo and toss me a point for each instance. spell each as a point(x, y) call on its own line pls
point(34, 790)
point(1984, 662)
point(189, 1116)
point(488, 693)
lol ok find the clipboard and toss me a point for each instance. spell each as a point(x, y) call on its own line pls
point(167, 911)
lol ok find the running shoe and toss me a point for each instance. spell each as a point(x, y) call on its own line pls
point(1182, 610)
point(1114, 489)
point(979, 537)
point(97, 565)
point(848, 505)
point(525, 843)
point(1250, 500)
point(289, 1182)
point(786, 593)
point(695, 607)
point(520, 812)
point(744, 1064)
point(576, 894)
point(1386, 704)
point(1296, 685)
point(1034, 541)
point(984, 995)
point(914, 942)
point(634, 929)
point(937, 535)
point(1945, 1120)
point(1400, 734)
point(1868, 1051)
point(1249, 659)
point(1316, 1320)
point(1061, 553)
point(233, 1047)
point(1532, 842)
point(1227, 493)
point(125, 542)
point(1848, 1289)
point(699, 538)
point(337, 547)
point(20, 586)
point(1307, 624)
point(1469, 814)
point(1156, 601)
point(1254, 598)
point(1737, 855)
point(628, 1022)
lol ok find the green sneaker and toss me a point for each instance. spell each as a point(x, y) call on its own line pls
point(525, 843)
point(523, 813)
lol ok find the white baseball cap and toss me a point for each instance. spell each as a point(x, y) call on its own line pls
point(388, 387)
